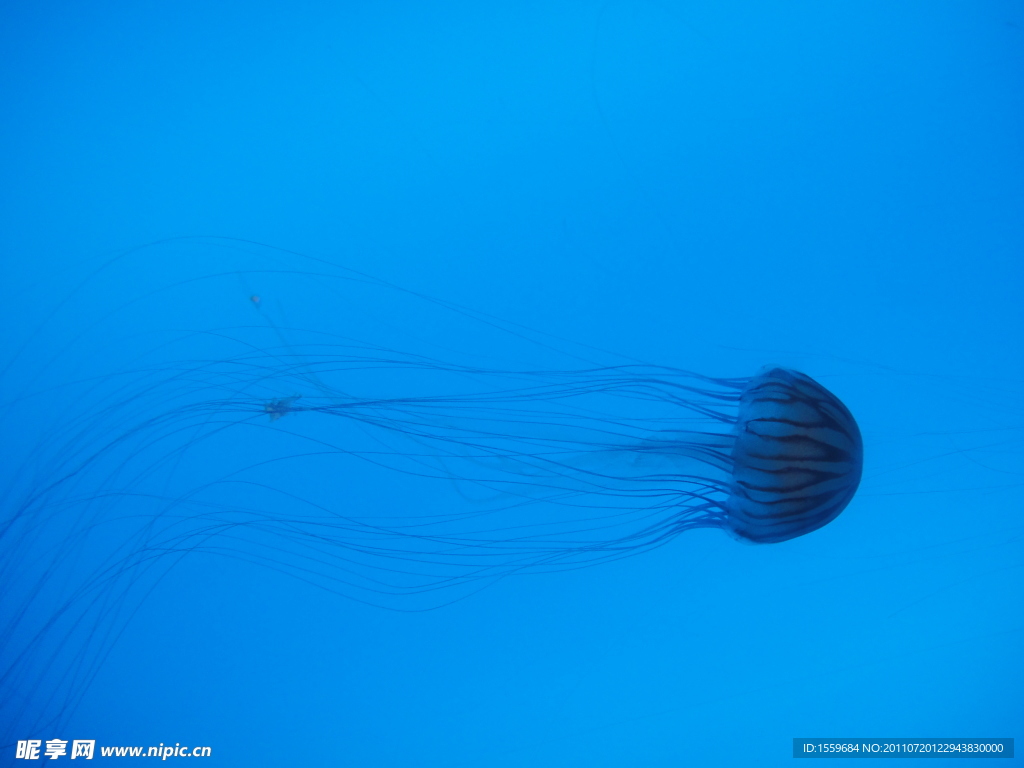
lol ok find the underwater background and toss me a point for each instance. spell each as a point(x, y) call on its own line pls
point(833, 187)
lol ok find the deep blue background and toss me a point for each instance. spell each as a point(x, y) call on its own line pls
point(838, 187)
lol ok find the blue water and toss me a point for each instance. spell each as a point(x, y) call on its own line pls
point(837, 188)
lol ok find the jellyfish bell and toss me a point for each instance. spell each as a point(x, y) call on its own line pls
point(797, 459)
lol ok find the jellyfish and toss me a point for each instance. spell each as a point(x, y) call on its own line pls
point(517, 470)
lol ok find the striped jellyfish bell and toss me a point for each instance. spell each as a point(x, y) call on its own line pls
point(797, 458)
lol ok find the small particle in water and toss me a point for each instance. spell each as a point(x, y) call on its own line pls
point(280, 407)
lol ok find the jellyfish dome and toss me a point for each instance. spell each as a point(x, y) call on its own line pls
point(797, 458)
